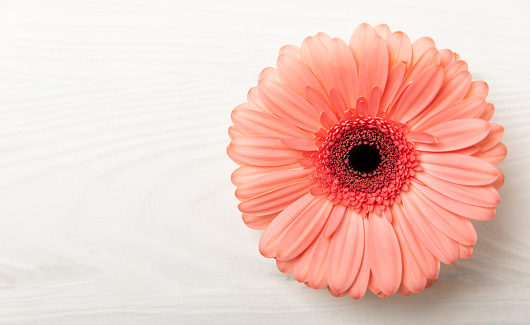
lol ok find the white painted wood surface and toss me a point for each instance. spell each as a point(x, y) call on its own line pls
point(115, 200)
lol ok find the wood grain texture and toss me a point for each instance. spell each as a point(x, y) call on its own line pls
point(115, 200)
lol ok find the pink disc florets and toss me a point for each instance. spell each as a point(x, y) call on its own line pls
point(364, 162)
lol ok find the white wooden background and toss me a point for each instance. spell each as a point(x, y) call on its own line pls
point(115, 200)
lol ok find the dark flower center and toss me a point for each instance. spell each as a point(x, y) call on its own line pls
point(364, 158)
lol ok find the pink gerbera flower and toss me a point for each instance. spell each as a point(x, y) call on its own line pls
point(364, 163)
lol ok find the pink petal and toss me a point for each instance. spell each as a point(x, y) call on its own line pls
point(276, 200)
point(494, 137)
point(420, 137)
point(393, 83)
point(291, 50)
point(459, 169)
point(297, 76)
point(458, 228)
point(334, 220)
point(233, 132)
point(488, 112)
point(338, 102)
point(269, 73)
point(258, 222)
point(451, 70)
point(444, 248)
point(288, 105)
point(399, 49)
point(460, 208)
point(324, 38)
point(285, 266)
point(327, 121)
point(382, 30)
point(456, 134)
point(500, 181)
point(446, 57)
point(413, 278)
point(358, 288)
point(452, 91)
point(483, 196)
point(262, 151)
point(385, 254)
point(313, 55)
point(419, 94)
point(346, 252)
point(252, 122)
point(342, 70)
point(318, 275)
point(321, 104)
point(255, 103)
point(269, 240)
point(304, 230)
point(361, 37)
point(303, 266)
point(468, 108)
point(270, 182)
point(373, 69)
point(429, 58)
point(426, 261)
point(374, 103)
point(420, 47)
point(248, 172)
point(478, 88)
point(300, 144)
point(465, 251)
point(494, 155)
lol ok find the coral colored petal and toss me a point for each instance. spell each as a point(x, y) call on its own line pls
point(494, 155)
point(426, 261)
point(300, 144)
point(324, 38)
point(262, 151)
point(488, 112)
point(456, 134)
point(454, 68)
point(382, 30)
point(251, 122)
point(270, 182)
point(393, 83)
point(258, 222)
point(303, 266)
point(494, 137)
point(478, 88)
point(345, 252)
point(269, 73)
point(247, 173)
point(334, 220)
point(465, 251)
point(313, 55)
point(361, 37)
point(373, 69)
point(297, 76)
point(255, 103)
point(327, 121)
point(446, 57)
point(374, 103)
point(358, 288)
point(420, 47)
point(429, 58)
point(269, 240)
point(321, 104)
point(285, 266)
point(318, 274)
point(484, 196)
point(459, 169)
point(291, 50)
point(419, 94)
point(276, 200)
point(399, 49)
point(452, 90)
point(420, 137)
point(304, 230)
point(385, 254)
point(338, 102)
point(413, 278)
point(288, 105)
point(468, 108)
point(441, 246)
point(233, 133)
point(458, 228)
point(500, 181)
point(342, 70)
point(460, 208)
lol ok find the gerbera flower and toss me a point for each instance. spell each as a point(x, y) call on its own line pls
point(364, 163)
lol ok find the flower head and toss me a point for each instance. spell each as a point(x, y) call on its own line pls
point(364, 163)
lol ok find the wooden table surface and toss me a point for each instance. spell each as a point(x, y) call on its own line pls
point(115, 200)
